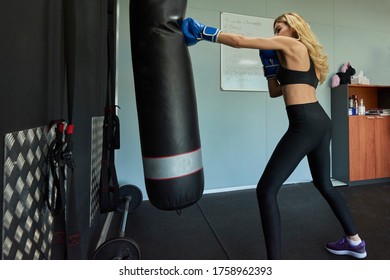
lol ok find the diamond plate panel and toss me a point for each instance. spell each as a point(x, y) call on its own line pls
point(26, 219)
point(96, 157)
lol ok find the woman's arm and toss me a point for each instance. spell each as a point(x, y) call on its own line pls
point(194, 32)
point(239, 41)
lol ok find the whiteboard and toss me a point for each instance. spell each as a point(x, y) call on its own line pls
point(241, 69)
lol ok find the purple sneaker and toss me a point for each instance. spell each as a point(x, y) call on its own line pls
point(344, 247)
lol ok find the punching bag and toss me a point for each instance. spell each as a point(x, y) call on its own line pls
point(166, 104)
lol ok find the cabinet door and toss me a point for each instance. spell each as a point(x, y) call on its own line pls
point(382, 143)
point(361, 148)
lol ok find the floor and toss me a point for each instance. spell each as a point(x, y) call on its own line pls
point(227, 225)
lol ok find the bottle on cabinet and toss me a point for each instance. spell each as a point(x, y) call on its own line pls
point(351, 99)
point(350, 106)
point(356, 106)
point(362, 108)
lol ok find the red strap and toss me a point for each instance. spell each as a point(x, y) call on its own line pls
point(69, 129)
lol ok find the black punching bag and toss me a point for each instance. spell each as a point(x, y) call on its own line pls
point(166, 104)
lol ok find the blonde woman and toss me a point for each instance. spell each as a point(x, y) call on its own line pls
point(294, 63)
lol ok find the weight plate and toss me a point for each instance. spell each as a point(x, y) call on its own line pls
point(122, 248)
point(129, 191)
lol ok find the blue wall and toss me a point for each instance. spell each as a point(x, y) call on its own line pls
point(239, 130)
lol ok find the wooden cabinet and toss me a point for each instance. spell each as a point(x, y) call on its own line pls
point(382, 145)
point(369, 153)
point(360, 144)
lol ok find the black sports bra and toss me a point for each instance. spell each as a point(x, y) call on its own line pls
point(286, 76)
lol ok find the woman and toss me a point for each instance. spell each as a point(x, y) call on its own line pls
point(302, 65)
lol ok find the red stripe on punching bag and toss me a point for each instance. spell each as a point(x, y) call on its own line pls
point(166, 104)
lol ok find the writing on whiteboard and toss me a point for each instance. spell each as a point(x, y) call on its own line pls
point(241, 69)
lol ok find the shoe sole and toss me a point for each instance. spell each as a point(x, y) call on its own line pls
point(348, 253)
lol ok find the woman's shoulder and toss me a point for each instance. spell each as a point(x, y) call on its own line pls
point(289, 44)
point(292, 46)
point(286, 40)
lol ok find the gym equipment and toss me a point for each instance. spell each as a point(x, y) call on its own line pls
point(109, 186)
point(122, 247)
point(194, 32)
point(166, 104)
point(61, 166)
point(270, 61)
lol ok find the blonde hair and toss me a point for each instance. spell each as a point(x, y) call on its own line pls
point(307, 37)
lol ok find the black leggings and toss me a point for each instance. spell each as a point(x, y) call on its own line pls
point(308, 134)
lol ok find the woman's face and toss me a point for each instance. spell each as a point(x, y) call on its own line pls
point(282, 29)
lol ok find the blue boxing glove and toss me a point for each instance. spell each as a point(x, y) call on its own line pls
point(194, 32)
point(270, 61)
